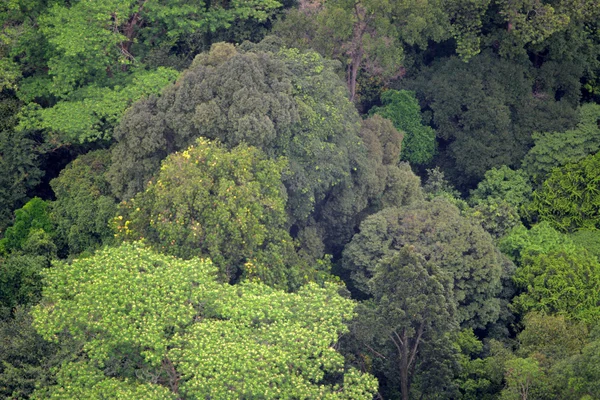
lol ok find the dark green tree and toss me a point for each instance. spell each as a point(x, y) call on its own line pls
point(412, 304)
point(84, 204)
point(438, 232)
point(286, 103)
point(484, 113)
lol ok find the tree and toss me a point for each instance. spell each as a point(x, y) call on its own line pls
point(365, 35)
point(166, 329)
point(84, 204)
point(484, 112)
point(401, 107)
point(556, 149)
point(31, 217)
point(522, 374)
point(564, 283)
point(282, 101)
point(18, 160)
point(412, 304)
point(504, 184)
point(83, 62)
point(457, 245)
point(570, 198)
point(542, 238)
point(227, 205)
point(27, 361)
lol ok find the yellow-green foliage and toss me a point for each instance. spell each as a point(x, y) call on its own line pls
point(141, 314)
point(228, 205)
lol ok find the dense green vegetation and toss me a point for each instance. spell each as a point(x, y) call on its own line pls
point(300, 199)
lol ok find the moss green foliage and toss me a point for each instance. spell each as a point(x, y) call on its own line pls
point(227, 205)
point(160, 317)
point(90, 113)
point(570, 198)
point(401, 107)
point(84, 203)
point(31, 217)
point(438, 232)
point(556, 149)
point(588, 239)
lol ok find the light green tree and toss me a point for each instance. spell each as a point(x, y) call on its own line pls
point(227, 205)
point(569, 199)
point(402, 108)
point(158, 327)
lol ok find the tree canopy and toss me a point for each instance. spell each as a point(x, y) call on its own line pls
point(437, 231)
point(148, 323)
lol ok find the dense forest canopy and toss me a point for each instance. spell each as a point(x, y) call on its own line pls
point(367, 199)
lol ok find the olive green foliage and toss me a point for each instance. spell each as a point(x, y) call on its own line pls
point(401, 107)
point(84, 203)
point(164, 328)
point(497, 217)
point(583, 371)
point(484, 113)
point(392, 183)
point(365, 35)
point(84, 60)
point(554, 343)
point(556, 149)
point(438, 232)
point(227, 205)
point(412, 304)
point(570, 198)
point(31, 217)
point(565, 283)
point(553, 337)
point(522, 377)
